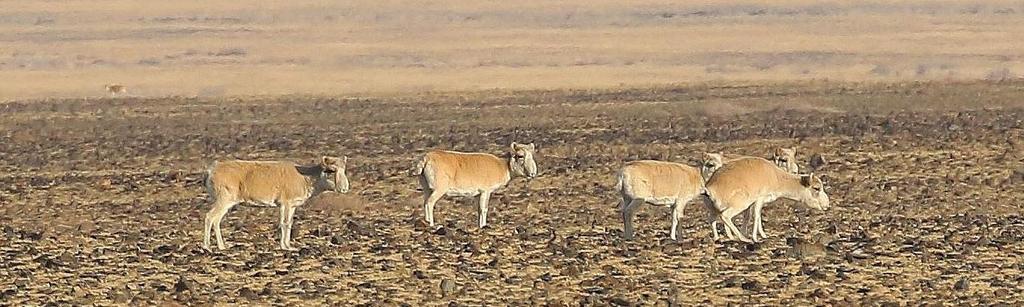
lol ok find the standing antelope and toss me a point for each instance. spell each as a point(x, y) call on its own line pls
point(755, 181)
point(115, 89)
point(271, 183)
point(657, 183)
point(711, 162)
point(784, 158)
point(463, 174)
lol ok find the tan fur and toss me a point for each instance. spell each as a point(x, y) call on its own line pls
point(455, 173)
point(453, 169)
point(784, 158)
point(755, 181)
point(115, 89)
point(659, 183)
point(259, 181)
point(271, 183)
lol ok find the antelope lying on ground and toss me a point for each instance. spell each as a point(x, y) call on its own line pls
point(283, 184)
point(658, 183)
point(755, 181)
point(784, 158)
point(455, 173)
point(115, 89)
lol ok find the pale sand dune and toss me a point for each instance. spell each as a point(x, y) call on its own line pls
point(220, 48)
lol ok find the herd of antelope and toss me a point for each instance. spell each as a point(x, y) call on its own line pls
point(728, 185)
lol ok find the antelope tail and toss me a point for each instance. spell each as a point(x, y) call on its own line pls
point(618, 182)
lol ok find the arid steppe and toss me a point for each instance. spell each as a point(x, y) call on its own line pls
point(101, 200)
point(229, 48)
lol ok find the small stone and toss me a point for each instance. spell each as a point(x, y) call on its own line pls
point(818, 161)
point(447, 287)
point(183, 284)
point(419, 274)
point(752, 285)
point(962, 285)
point(247, 293)
point(67, 259)
point(267, 291)
point(1016, 177)
point(357, 228)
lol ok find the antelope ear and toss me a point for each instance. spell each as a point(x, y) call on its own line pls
point(344, 160)
point(805, 180)
point(533, 146)
point(325, 161)
point(514, 147)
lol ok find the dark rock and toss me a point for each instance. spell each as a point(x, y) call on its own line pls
point(752, 285)
point(9, 232)
point(818, 161)
point(731, 281)
point(357, 228)
point(546, 277)
point(32, 235)
point(962, 285)
point(419, 274)
point(247, 293)
point(163, 249)
point(1017, 177)
point(183, 284)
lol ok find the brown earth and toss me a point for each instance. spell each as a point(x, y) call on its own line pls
point(101, 201)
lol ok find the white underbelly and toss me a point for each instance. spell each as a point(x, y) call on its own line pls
point(663, 201)
point(463, 192)
point(260, 203)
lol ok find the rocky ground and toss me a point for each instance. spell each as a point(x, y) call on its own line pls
point(101, 201)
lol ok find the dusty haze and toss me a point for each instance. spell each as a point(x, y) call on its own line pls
point(216, 48)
